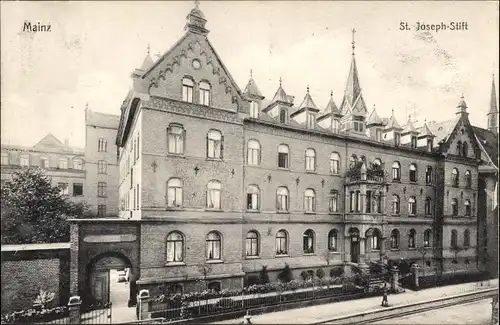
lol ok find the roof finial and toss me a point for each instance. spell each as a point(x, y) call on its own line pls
point(197, 3)
point(393, 112)
point(353, 42)
point(331, 93)
point(148, 48)
point(308, 89)
point(251, 73)
point(280, 81)
point(373, 106)
point(462, 96)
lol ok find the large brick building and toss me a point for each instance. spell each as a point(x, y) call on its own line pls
point(227, 178)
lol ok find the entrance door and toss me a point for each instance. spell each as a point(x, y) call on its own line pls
point(100, 288)
point(354, 250)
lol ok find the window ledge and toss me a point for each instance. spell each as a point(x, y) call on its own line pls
point(252, 257)
point(334, 213)
point(335, 174)
point(413, 182)
point(336, 252)
point(174, 208)
point(311, 172)
point(215, 261)
point(252, 211)
point(282, 212)
point(284, 168)
point(175, 264)
point(282, 255)
point(213, 210)
point(394, 249)
point(412, 248)
point(79, 195)
point(395, 215)
point(309, 254)
point(309, 212)
point(396, 181)
point(213, 159)
point(173, 155)
point(375, 250)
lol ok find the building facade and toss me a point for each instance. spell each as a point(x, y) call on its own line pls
point(227, 180)
point(62, 163)
point(101, 163)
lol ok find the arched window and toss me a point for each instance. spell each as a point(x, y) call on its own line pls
point(411, 238)
point(283, 153)
point(77, 164)
point(63, 163)
point(413, 173)
point(214, 246)
point(175, 139)
point(187, 90)
point(375, 240)
point(310, 160)
point(468, 179)
point(332, 240)
point(428, 175)
point(281, 243)
point(466, 238)
point(252, 243)
point(333, 205)
point(377, 162)
point(282, 199)
point(467, 208)
point(412, 206)
point(459, 148)
point(427, 238)
point(454, 177)
point(252, 197)
point(213, 195)
point(204, 93)
point(428, 206)
point(454, 238)
point(395, 204)
point(214, 144)
point(352, 161)
point(308, 241)
point(335, 163)
point(454, 207)
point(253, 155)
point(309, 200)
point(174, 192)
point(396, 171)
point(175, 247)
point(395, 239)
point(283, 116)
point(465, 149)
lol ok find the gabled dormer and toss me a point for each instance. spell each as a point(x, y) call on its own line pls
point(425, 137)
point(253, 94)
point(307, 112)
point(280, 105)
point(329, 118)
point(409, 134)
point(374, 126)
point(392, 131)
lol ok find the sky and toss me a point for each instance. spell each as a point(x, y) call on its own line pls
point(48, 77)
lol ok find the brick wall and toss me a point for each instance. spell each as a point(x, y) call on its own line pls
point(25, 273)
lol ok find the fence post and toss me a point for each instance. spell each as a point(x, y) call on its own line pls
point(395, 278)
point(414, 269)
point(74, 304)
point(143, 301)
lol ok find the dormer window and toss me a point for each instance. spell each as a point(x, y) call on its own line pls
point(397, 139)
point(204, 93)
point(413, 141)
point(378, 134)
point(254, 109)
point(283, 116)
point(187, 90)
point(358, 126)
point(429, 145)
point(310, 120)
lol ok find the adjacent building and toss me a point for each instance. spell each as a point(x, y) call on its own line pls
point(229, 179)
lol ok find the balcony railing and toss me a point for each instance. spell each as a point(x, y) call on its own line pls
point(360, 178)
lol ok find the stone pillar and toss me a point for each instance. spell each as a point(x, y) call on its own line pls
point(74, 260)
point(395, 278)
point(362, 242)
point(494, 311)
point(143, 301)
point(74, 304)
point(382, 248)
point(414, 269)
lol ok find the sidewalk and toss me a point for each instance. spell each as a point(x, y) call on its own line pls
point(313, 314)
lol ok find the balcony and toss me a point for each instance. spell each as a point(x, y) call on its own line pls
point(360, 173)
point(364, 218)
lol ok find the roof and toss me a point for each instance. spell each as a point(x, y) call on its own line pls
point(488, 141)
point(49, 141)
point(281, 96)
point(493, 102)
point(308, 101)
point(374, 119)
point(102, 120)
point(462, 104)
point(252, 89)
point(34, 247)
point(409, 128)
point(442, 129)
point(353, 100)
point(392, 123)
point(424, 130)
point(147, 63)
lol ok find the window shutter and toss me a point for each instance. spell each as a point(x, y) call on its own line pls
point(222, 147)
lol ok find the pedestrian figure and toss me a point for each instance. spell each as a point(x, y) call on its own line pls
point(246, 319)
point(385, 303)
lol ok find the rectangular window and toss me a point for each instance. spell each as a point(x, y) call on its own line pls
point(187, 93)
point(310, 120)
point(378, 135)
point(102, 167)
point(254, 109)
point(63, 187)
point(77, 189)
point(333, 204)
point(63, 164)
point(252, 201)
point(282, 160)
point(24, 161)
point(358, 201)
point(214, 148)
point(101, 211)
point(351, 201)
point(368, 202)
point(102, 145)
point(175, 140)
point(101, 189)
point(77, 164)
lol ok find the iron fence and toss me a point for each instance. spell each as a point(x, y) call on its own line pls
point(96, 314)
point(58, 315)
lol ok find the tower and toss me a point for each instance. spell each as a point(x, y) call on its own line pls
point(493, 112)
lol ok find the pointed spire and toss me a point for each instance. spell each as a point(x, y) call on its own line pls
point(353, 42)
point(251, 89)
point(196, 20)
point(148, 61)
point(409, 127)
point(493, 102)
point(308, 102)
point(393, 123)
point(148, 48)
point(462, 105)
point(425, 131)
point(330, 109)
point(374, 119)
point(280, 95)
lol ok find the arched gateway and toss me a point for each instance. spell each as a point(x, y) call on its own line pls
point(98, 246)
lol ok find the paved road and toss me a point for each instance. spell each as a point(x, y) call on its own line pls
point(477, 313)
point(119, 294)
point(308, 315)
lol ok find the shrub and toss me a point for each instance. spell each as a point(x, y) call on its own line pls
point(263, 276)
point(286, 274)
point(320, 273)
point(251, 280)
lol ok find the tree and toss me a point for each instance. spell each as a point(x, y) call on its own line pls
point(264, 277)
point(423, 252)
point(34, 211)
point(286, 274)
